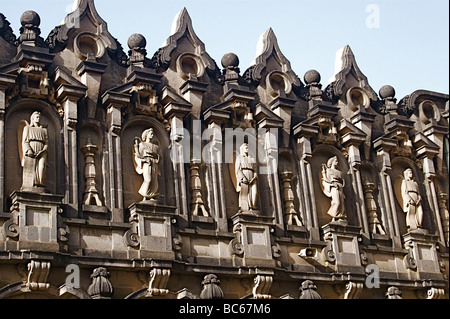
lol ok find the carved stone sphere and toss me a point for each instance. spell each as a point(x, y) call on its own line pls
point(230, 60)
point(137, 41)
point(312, 76)
point(30, 18)
point(387, 91)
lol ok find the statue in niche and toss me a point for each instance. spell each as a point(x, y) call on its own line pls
point(408, 195)
point(246, 180)
point(33, 151)
point(146, 160)
point(333, 183)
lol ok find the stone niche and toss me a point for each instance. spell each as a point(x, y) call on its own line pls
point(132, 181)
point(320, 156)
point(399, 164)
point(90, 134)
point(18, 112)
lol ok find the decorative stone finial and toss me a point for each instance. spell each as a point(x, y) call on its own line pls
point(100, 288)
point(30, 19)
point(308, 290)
point(230, 62)
point(137, 40)
point(312, 79)
point(211, 289)
point(137, 44)
point(386, 92)
point(394, 293)
point(29, 32)
point(389, 102)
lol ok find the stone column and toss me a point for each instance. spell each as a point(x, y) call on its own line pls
point(443, 211)
point(90, 193)
point(303, 133)
point(114, 199)
point(291, 215)
point(214, 166)
point(6, 81)
point(375, 226)
point(198, 208)
point(271, 153)
point(70, 95)
point(351, 138)
point(429, 172)
point(178, 163)
point(382, 147)
point(175, 113)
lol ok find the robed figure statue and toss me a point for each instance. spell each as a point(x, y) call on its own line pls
point(33, 151)
point(408, 196)
point(146, 159)
point(332, 182)
point(246, 180)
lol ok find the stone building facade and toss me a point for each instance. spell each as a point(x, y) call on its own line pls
point(126, 175)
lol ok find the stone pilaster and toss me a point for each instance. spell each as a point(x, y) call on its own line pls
point(303, 134)
point(6, 81)
point(214, 167)
point(383, 146)
point(114, 102)
point(70, 95)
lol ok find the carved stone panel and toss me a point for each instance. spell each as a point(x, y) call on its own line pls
point(154, 229)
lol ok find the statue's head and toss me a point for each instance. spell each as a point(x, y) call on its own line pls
point(35, 118)
point(332, 161)
point(243, 149)
point(148, 134)
point(408, 173)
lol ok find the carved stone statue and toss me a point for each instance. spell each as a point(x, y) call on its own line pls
point(33, 151)
point(247, 180)
point(333, 186)
point(146, 160)
point(408, 195)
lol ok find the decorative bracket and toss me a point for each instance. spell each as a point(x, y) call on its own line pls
point(37, 275)
point(262, 287)
point(158, 282)
point(235, 245)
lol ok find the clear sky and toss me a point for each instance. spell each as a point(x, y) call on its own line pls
point(404, 43)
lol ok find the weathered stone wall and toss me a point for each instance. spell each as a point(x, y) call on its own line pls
point(331, 217)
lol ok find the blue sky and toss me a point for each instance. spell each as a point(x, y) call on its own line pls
point(408, 48)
